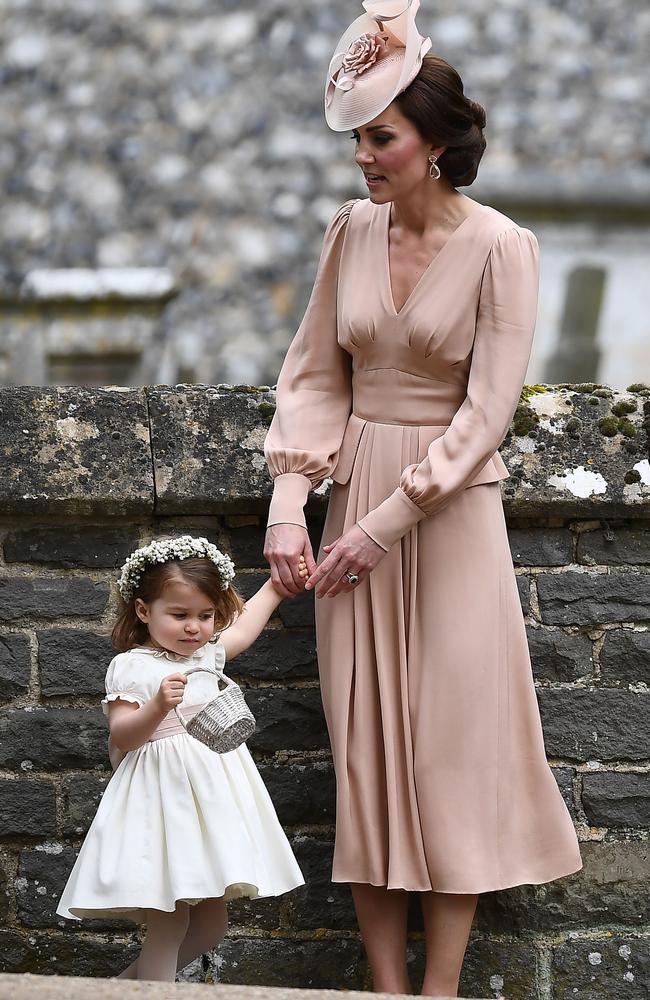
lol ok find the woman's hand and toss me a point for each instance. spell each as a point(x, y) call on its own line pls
point(352, 552)
point(283, 546)
point(171, 690)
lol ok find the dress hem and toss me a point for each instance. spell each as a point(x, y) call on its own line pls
point(463, 892)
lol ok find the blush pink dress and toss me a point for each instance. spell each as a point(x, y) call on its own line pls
point(442, 777)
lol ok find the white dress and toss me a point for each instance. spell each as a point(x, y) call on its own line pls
point(177, 821)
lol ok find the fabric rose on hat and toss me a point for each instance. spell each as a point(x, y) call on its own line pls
point(363, 53)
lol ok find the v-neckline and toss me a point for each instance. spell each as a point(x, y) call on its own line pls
point(430, 265)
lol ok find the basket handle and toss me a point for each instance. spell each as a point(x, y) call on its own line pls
point(219, 674)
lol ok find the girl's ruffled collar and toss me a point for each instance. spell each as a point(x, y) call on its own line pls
point(167, 654)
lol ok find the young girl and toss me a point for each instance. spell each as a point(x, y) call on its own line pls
point(180, 829)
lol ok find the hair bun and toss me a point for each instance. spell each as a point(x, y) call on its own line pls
point(478, 114)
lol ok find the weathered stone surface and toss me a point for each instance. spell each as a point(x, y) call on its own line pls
point(540, 546)
point(248, 583)
point(88, 547)
point(299, 610)
point(564, 777)
point(301, 793)
point(15, 664)
point(73, 661)
point(610, 889)
point(338, 965)
point(50, 738)
point(617, 799)
point(523, 586)
point(207, 447)
point(616, 968)
point(52, 953)
point(246, 543)
point(559, 656)
point(625, 657)
point(583, 459)
point(286, 720)
point(593, 598)
point(51, 597)
point(27, 808)
point(626, 546)
point(491, 968)
point(595, 725)
point(264, 914)
point(320, 902)
point(4, 888)
point(74, 452)
point(81, 797)
point(277, 654)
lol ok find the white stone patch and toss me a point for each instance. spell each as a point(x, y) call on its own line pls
point(82, 284)
point(26, 765)
point(72, 430)
point(21, 883)
point(643, 468)
point(628, 977)
point(496, 983)
point(625, 951)
point(27, 51)
point(552, 428)
point(580, 481)
point(50, 847)
point(323, 488)
point(254, 440)
point(526, 444)
point(259, 463)
point(595, 958)
point(545, 404)
point(42, 889)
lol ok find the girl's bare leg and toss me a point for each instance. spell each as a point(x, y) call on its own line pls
point(382, 915)
point(207, 929)
point(447, 922)
point(159, 954)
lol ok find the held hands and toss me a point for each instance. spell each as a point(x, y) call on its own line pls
point(171, 690)
point(353, 552)
point(284, 548)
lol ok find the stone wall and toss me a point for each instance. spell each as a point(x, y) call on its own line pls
point(85, 475)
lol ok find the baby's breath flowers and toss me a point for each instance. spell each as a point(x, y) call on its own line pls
point(183, 547)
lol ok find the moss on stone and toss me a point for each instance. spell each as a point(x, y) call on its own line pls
point(626, 427)
point(532, 390)
point(573, 425)
point(525, 420)
point(608, 426)
point(624, 406)
point(638, 387)
point(265, 408)
point(632, 476)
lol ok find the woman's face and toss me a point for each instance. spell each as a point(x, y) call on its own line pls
point(393, 156)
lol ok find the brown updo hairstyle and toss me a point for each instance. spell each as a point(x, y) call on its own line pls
point(436, 104)
point(129, 631)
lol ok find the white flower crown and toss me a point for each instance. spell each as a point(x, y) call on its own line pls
point(183, 547)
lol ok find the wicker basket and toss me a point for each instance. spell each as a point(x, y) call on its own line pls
point(225, 722)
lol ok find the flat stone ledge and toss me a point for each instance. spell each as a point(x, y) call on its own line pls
point(27, 987)
point(80, 284)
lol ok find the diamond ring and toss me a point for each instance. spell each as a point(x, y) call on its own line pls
point(352, 578)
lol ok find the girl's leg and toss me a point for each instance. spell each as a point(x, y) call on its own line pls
point(382, 915)
point(207, 929)
point(447, 922)
point(165, 934)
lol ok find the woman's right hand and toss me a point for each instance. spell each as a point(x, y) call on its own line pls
point(283, 546)
point(171, 690)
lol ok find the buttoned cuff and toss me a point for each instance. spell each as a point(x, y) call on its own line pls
point(290, 492)
point(391, 519)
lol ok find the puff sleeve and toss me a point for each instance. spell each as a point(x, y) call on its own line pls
point(314, 392)
point(502, 345)
point(122, 682)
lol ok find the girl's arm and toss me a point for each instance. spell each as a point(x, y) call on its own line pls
point(245, 630)
point(132, 725)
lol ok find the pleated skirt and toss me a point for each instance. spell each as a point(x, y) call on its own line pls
point(442, 778)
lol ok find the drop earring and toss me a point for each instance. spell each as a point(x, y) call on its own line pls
point(434, 169)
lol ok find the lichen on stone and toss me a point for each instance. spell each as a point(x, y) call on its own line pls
point(624, 406)
point(632, 476)
point(608, 426)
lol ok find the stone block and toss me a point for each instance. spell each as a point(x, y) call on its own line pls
point(263, 914)
point(320, 965)
point(625, 657)
point(559, 656)
point(298, 611)
point(27, 808)
point(287, 720)
point(523, 586)
point(74, 452)
point(612, 798)
point(91, 548)
point(612, 888)
point(593, 598)
point(52, 738)
point(73, 661)
point(612, 968)
point(81, 797)
point(51, 597)
point(246, 544)
point(491, 968)
point(5, 877)
point(15, 664)
point(278, 655)
point(564, 777)
point(52, 953)
point(540, 546)
point(605, 724)
point(302, 793)
point(628, 546)
point(249, 583)
point(320, 902)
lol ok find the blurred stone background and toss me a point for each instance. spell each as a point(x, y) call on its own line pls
point(167, 175)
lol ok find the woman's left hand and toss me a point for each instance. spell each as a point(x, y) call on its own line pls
point(352, 552)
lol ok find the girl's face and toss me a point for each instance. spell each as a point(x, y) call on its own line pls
point(181, 620)
point(393, 156)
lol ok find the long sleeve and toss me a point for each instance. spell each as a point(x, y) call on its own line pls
point(502, 345)
point(314, 392)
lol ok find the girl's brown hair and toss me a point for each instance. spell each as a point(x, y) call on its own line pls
point(436, 104)
point(129, 631)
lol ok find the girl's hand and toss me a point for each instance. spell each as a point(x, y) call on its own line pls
point(283, 546)
point(352, 552)
point(171, 690)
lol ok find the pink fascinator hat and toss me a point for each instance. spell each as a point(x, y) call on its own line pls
point(378, 56)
